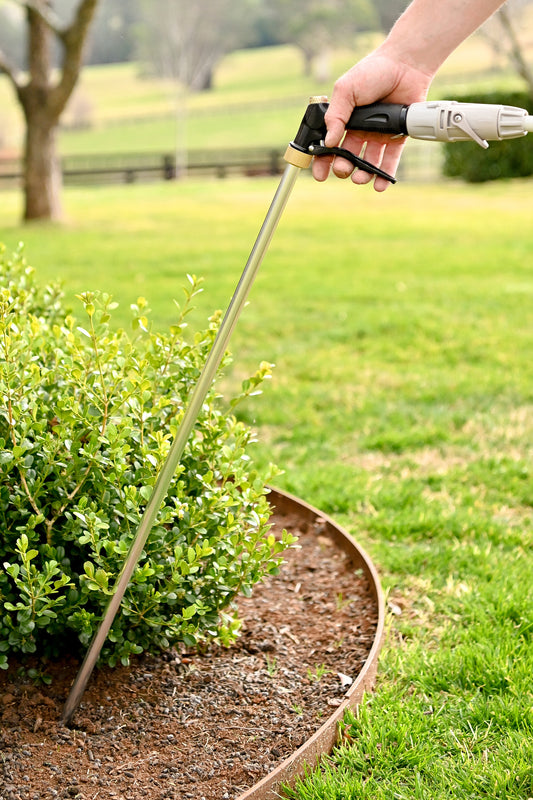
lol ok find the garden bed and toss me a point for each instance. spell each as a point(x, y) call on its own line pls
point(224, 724)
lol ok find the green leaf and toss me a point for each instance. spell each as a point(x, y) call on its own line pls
point(12, 569)
point(146, 492)
point(189, 611)
point(89, 569)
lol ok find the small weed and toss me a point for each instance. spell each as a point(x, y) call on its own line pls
point(272, 665)
point(341, 602)
point(317, 673)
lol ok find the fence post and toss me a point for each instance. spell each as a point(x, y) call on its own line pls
point(169, 168)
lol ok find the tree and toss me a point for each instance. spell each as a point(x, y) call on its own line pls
point(186, 40)
point(317, 26)
point(502, 32)
point(43, 95)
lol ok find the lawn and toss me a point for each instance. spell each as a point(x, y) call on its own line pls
point(401, 327)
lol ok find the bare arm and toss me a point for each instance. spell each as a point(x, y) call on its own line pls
point(427, 32)
point(399, 71)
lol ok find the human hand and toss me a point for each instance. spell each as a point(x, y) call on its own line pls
point(378, 77)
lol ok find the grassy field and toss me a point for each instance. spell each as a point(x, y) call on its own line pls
point(401, 327)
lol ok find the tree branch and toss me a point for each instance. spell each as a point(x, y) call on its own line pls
point(73, 39)
point(517, 53)
point(46, 14)
point(82, 20)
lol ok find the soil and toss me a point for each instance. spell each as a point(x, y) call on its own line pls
point(208, 725)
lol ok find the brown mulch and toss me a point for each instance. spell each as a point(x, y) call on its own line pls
point(203, 726)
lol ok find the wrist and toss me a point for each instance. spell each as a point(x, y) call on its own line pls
point(417, 59)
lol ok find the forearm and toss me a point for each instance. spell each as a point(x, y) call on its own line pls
point(429, 30)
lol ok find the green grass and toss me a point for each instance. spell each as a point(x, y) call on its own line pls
point(401, 327)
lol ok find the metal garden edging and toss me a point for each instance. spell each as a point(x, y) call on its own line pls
point(325, 738)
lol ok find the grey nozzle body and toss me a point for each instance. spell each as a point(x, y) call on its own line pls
point(450, 121)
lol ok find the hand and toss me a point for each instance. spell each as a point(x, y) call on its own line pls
point(378, 77)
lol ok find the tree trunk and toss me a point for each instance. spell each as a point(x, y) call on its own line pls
point(42, 169)
point(42, 173)
point(308, 62)
point(43, 96)
point(322, 66)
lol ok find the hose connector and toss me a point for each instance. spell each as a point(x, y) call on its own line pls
point(311, 131)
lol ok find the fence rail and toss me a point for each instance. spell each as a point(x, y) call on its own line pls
point(417, 165)
point(133, 167)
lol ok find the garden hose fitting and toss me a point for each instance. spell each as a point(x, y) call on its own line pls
point(312, 130)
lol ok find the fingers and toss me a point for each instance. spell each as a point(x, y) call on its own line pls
point(377, 149)
point(390, 160)
point(383, 154)
point(374, 152)
point(355, 142)
point(321, 168)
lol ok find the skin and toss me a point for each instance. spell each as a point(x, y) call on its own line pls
point(399, 71)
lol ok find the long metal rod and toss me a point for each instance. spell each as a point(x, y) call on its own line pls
point(170, 465)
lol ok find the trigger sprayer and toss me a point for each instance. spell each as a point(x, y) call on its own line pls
point(437, 121)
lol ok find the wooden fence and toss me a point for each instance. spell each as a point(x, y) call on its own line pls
point(134, 167)
point(419, 163)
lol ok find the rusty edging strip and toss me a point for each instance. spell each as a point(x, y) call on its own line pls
point(323, 741)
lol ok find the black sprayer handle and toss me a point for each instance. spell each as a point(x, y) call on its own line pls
point(380, 118)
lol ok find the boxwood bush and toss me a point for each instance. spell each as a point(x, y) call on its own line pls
point(512, 158)
point(87, 417)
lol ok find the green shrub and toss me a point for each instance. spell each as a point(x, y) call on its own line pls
point(87, 418)
point(512, 158)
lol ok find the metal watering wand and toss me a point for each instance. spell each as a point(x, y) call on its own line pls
point(443, 121)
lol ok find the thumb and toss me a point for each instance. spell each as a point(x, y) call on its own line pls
point(343, 102)
point(336, 127)
point(336, 117)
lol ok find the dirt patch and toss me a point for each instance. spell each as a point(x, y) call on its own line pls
point(204, 726)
